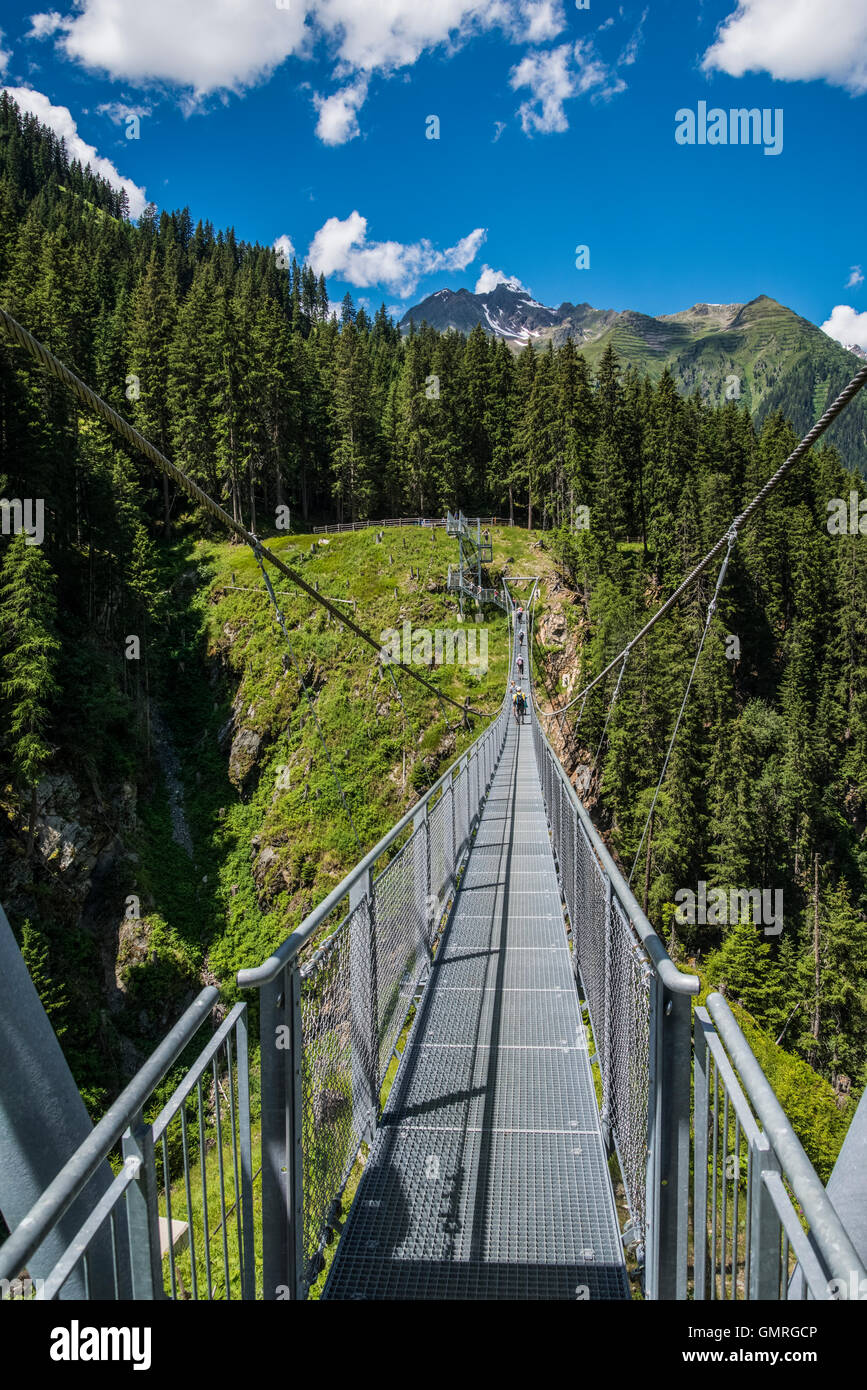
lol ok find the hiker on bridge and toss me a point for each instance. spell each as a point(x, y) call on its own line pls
point(521, 638)
point(520, 665)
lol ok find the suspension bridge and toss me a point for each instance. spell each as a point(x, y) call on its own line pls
point(488, 1175)
point(478, 1030)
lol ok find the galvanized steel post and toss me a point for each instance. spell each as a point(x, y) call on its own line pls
point(274, 1037)
point(143, 1214)
point(672, 1137)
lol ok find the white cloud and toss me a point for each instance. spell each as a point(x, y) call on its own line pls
point(554, 76)
point(338, 114)
point(200, 46)
point(5, 55)
point(795, 41)
point(390, 34)
point(204, 46)
point(60, 120)
point(630, 52)
point(341, 248)
point(43, 25)
point(549, 78)
point(847, 326)
point(856, 277)
point(543, 20)
point(490, 279)
point(284, 243)
point(499, 127)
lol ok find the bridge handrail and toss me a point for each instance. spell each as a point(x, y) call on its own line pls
point(256, 976)
point(57, 1198)
point(676, 980)
point(826, 1230)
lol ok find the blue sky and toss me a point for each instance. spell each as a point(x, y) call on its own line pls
point(556, 129)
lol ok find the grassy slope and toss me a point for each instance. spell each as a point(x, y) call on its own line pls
point(385, 754)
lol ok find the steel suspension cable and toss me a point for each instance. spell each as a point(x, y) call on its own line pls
point(830, 415)
point(611, 708)
point(121, 426)
point(711, 609)
point(258, 552)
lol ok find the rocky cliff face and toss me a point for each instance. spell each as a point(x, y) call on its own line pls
point(78, 888)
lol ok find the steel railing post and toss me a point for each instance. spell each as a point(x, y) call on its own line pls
point(764, 1279)
point(672, 1105)
point(142, 1213)
point(699, 1221)
point(248, 1267)
point(296, 1133)
point(274, 1038)
point(654, 1142)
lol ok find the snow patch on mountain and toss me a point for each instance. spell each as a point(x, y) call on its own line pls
point(489, 280)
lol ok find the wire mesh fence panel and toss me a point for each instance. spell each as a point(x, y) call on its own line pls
point(554, 812)
point(628, 1088)
point(401, 947)
point(566, 855)
point(590, 939)
point(459, 795)
point(336, 1033)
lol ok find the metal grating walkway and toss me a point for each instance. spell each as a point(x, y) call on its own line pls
point(488, 1177)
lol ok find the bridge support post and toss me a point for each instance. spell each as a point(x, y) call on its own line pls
point(699, 1220)
point(282, 1152)
point(764, 1227)
point(668, 1213)
point(142, 1213)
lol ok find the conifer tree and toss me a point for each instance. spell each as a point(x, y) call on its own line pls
point(28, 662)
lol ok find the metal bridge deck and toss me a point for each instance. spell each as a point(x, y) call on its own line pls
point(488, 1177)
